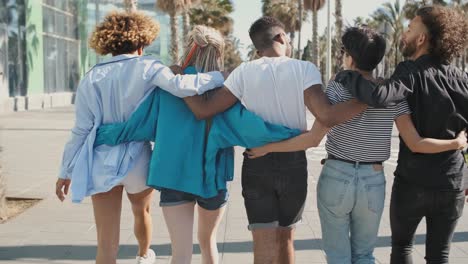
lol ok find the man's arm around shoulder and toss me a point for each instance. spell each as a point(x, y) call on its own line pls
point(206, 107)
point(330, 115)
point(386, 93)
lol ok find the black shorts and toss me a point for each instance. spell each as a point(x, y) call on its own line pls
point(274, 188)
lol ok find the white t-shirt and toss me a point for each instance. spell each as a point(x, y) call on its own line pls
point(273, 88)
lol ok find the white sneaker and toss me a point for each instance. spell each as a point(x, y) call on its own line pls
point(148, 258)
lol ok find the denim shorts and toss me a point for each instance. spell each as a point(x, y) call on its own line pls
point(274, 188)
point(171, 197)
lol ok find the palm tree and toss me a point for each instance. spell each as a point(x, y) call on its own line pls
point(322, 55)
point(338, 33)
point(252, 53)
point(314, 6)
point(394, 16)
point(188, 4)
point(306, 56)
point(130, 5)
point(299, 36)
point(266, 5)
point(173, 8)
point(213, 13)
point(232, 57)
point(461, 6)
point(288, 13)
point(411, 6)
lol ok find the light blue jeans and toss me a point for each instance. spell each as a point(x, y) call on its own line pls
point(350, 201)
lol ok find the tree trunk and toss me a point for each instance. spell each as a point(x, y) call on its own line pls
point(388, 67)
point(338, 34)
point(186, 21)
point(292, 36)
point(174, 38)
point(299, 47)
point(314, 37)
point(463, 62)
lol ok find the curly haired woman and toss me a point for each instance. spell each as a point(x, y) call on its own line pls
point(109, 93)
point(177, 165)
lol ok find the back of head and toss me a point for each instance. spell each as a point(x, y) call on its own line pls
point(204, 49)
point(263, 31)
point(365, 46)
point(123, 33)
point(447, 29)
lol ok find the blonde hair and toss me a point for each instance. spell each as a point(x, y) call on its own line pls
point(204, 49)
point(123, 32)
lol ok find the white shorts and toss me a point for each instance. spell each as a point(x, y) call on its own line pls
point(135, 180)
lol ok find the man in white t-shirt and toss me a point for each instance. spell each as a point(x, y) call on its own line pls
point(278, 89)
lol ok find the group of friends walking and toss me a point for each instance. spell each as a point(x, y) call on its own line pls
point(194, 113)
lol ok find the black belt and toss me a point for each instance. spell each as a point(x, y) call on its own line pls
point(331, 157)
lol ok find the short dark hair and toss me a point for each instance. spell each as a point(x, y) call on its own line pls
point(261, 32)
point(448, 30)
point(365, 46)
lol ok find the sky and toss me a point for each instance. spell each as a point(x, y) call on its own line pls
point(247, 11)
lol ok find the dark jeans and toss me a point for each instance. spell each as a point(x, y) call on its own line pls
point(409, 204)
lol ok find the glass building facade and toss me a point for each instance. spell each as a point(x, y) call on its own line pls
point(44, 43)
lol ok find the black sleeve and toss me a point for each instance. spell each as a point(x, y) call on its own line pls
point(389, 92)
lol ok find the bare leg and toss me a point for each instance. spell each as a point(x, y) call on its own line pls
point(208, 222)
point(265, 246)
point(141, 204)
point(107, 208)
point(179, 221)
point(285, 243)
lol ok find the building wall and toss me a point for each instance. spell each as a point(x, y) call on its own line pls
point(34, 47)
point(48, 43)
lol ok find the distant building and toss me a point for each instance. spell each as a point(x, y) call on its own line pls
point(44, 48)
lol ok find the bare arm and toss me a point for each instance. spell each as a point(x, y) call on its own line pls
point(186, 85)
point(206, 107)
point(304, 141)
point(330, 115)
point(388, 92)
point(426, 145)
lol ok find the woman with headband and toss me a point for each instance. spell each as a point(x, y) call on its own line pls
point(108, 93)
point(204, 51)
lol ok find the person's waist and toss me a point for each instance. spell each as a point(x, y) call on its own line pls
point(354, 162)
point(284, 156)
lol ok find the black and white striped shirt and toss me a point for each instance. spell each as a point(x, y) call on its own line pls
point(366, 137)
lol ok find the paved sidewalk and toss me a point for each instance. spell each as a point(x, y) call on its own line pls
point(54, 232)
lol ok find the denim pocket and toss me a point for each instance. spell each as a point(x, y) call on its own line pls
point(331, 190)
point(376, 197)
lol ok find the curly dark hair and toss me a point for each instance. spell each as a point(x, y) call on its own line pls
point(261, 33)
point(448, 30)
point(123, 32)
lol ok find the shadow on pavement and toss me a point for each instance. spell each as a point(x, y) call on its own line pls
point(87, 252)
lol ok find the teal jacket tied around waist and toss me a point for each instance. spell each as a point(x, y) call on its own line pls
point(183, 158)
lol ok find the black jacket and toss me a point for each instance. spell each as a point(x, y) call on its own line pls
point(438, 97)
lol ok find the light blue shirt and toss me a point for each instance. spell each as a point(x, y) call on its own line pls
point(109, 93)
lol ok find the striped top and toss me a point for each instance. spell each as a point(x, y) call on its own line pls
point(366, 137)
